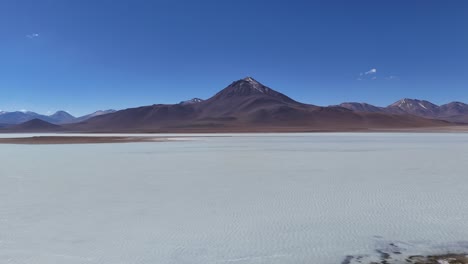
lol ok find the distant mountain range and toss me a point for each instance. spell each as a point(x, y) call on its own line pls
point(249, 106)
point(59, 117)
point(453, 112)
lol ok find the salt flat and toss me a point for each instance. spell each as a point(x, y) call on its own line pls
point(240, 198)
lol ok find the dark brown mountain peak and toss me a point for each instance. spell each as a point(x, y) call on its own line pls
point(35, 125)
point(249, 87)
point(246, 87)
point(255, 84)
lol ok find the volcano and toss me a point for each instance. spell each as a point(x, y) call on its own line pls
point(246, 105)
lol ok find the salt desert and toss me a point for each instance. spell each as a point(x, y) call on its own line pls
point(238, 198)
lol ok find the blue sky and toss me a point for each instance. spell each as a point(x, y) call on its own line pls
point(85, 55)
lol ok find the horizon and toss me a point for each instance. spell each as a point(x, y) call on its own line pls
point(311, 103)
point(84, 56)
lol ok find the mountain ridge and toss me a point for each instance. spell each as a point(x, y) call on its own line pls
point(36, 125)
point(60, 117)
point(452, 112)
point(247, 105)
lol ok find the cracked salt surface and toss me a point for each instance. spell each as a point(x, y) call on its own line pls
point(245, 198)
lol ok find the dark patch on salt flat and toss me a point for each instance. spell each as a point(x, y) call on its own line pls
point(394, 254)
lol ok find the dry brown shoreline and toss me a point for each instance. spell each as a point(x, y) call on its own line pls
point(153, 136)
point(49, 140)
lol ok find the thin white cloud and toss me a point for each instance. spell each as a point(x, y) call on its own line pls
point(371, 71)
point(368, 75)
point(392, 77)
point(33, 35)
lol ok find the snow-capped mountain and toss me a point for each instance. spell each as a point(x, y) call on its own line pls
point(192, 101)
point(249, 87)
point(59, 117)
point(414, 107)
point(454, 111)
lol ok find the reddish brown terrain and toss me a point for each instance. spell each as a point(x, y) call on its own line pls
point(244, 106)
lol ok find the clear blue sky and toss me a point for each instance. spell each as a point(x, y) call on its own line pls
point(85, 55)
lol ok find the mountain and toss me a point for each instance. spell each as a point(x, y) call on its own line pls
point(248, 99)
point(35, 125)
point(18, 117)
point(61, 117)
point(454, 109)
point(246, 105)
point(248, 87)
point(192, 101)
point(455, 112)
point(97, 113)
point(362, 107)
point(452, 112)
point(414, 107)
